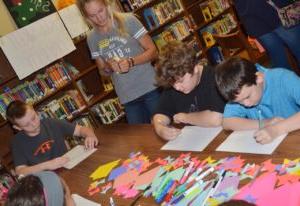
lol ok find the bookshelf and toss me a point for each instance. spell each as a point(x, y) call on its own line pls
point(191, 21)
point(55, 91)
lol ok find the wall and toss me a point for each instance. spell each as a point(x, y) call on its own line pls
point(7, 22)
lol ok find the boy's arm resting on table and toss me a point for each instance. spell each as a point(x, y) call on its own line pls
point(282, 126)
point(205, 118)
point(238, 123)
point(162, 127)
point(90, 140)
point(48, 165)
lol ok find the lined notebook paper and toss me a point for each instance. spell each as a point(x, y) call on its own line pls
point(76, 155)
point(244, 142)
point(192, 138)
point(81, 201)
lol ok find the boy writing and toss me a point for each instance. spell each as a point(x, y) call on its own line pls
point(190, 95)
point(39, 145)
point(259, 98)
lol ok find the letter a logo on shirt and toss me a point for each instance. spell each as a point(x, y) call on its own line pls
point(44, 147)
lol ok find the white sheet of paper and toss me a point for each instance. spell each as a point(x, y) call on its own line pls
point(36, 45)
point(81, 201)
point(76, 155)
point(244, 142)
point(193, 138)
point(73, 20)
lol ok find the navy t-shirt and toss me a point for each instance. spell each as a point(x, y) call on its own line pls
point(45, 146)
point(257, 16)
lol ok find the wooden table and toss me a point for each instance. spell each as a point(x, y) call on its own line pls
point(118, 141)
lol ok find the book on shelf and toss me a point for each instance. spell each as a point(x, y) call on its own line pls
point(221, 26)
point(215, 55)
point(107, 83)
point(151, 19)
point(54, 77)
point(83, 90)
point(64, 107)
point(161, 12)
point(213, 8)
point(108, 111)
point(176, 31)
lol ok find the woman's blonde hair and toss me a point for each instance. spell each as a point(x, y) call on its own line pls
point(115, 15)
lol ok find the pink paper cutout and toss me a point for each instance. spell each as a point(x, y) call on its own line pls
point(146, 178)
point(126, 178)
point(287, 195)
point(269, 166)
point(261, 186)
point(287, 178)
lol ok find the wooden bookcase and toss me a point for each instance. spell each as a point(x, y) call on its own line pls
point(88, 73)
point(194, 17)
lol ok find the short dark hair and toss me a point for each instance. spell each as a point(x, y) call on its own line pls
point(16, 110)
point(234, 73)
point(175, 60)
point(27, 192)
point(236, 203)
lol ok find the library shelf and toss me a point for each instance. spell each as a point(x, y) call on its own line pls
point(170, 20)
point(86, 71)
point(99, 97)
point(204, 24)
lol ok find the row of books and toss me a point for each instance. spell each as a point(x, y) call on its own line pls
point(176, 31)
point(64, 107)
point(108, 111)
point(43, 85)
point(160, 13)
point(212, 8)
point(223, 26)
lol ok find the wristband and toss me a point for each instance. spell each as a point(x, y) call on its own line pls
point(131, 60)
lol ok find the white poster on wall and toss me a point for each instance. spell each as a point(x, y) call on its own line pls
point(34, 46)
point(73, 20)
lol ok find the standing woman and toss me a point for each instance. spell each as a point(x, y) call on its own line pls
point(122, 48)
point(261, 21)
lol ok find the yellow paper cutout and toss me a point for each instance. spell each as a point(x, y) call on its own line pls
point(104, 170)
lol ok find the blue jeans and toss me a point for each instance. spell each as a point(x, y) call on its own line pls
point(276, 41)
point(140, 110)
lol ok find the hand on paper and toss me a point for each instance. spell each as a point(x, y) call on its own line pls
point(168, 132)
point(180, 118)
point(90, 142)
point(267, 134)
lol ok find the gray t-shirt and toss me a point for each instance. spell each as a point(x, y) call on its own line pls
point(45, 146)
point(53, 188)
point(141, 78)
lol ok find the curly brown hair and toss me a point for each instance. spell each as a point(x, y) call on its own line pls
point(175, 60)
